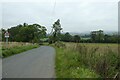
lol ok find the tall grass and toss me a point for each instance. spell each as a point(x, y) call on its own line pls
point(104, 60)
point(0, 50)
point(14, 48)
point(93, 60)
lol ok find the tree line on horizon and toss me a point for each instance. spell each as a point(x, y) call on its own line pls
point(25, 33)
point(34, 33)
point(93, 37)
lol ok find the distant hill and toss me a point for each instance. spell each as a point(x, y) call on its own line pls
point(88, 33)
point(111, 32)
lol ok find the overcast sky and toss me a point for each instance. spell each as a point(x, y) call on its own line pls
point(75, 15)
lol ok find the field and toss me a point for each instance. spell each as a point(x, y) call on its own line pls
point(15, 47)
point(76, 60)
point(0, 49)
point(88, 60)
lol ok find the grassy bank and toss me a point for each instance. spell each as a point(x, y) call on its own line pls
point(0, 52)
point(87, 60)
point(15, 48)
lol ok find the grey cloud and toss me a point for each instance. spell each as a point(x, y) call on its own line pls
point(74, 16)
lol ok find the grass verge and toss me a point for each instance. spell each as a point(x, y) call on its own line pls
point(15, 50)
point(86, 60)
point(68, 65)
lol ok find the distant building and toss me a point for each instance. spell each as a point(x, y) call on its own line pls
point(97, 32)
point(97, 36)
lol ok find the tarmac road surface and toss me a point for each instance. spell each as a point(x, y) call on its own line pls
point(35, 63)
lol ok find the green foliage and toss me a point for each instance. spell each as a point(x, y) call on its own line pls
point(26, 33)
point(66, 37)
point(2, 33)
point(82, 61)
point(97, 36)
point(69, 38)
point(15, 50)
point(60, 44)
point(76, 38)
point(56, 31)
point(111, 38)
point(100, 37)
point(68, 65)
point(103, 63)
point(0, 52)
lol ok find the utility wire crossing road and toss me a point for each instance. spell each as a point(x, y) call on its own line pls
point(35, 63)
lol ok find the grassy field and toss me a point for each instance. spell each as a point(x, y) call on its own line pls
point(77, 60)
point(13, 48)
point(0, 49)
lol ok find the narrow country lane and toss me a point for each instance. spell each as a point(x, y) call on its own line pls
point(35, 63)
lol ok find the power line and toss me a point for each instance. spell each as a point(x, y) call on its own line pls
point(54, 8)
point(53, 12)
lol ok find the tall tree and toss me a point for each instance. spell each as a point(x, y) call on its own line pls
point(97, 36)
point(66, 37)
point(27, 33)
point(56, 32)
point(77, 38)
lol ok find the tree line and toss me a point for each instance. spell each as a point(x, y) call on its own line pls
point(25, 33)
point(34, 33)
point(94, 37)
